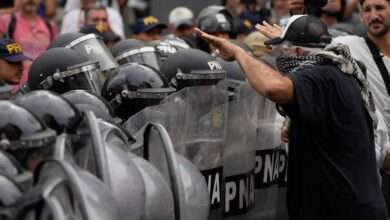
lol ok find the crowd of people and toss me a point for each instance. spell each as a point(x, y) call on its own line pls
point(250, 109)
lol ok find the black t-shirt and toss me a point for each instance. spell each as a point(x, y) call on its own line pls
point(332, 171)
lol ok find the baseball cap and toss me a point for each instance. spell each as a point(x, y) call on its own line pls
point(147, 23)
point(100, 31)
point(11, 51)
point(180, 16)
point(303, 30)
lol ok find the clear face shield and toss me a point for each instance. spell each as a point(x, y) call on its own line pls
point(144, 55)
point(198, 78)
point(93, 48)
point(85, 76)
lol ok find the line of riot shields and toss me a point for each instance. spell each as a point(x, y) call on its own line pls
point(196, 155)
point(234, 144)
point(209, 148)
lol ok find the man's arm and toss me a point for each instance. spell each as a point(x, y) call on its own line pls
point(267, 81)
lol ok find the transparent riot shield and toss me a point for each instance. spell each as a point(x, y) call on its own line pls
point(136, 124)
point(71, 193)
point(159, 202)
point(9, 193)
point(266, 126)
point(198, 132)
point(158, 150)
point(115, 135)
point(239, 154)
point(127, 186)
point(188, 186)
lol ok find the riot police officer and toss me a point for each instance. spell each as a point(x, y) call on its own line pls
point(133, 87)
point(192, 67)
point(72, 71)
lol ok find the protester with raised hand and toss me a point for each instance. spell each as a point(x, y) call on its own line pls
point(332, 170)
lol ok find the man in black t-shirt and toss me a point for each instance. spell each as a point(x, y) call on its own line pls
point(332, 167)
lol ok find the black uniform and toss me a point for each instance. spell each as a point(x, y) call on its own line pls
point(332, 171)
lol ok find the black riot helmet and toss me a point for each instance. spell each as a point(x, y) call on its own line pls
point(64, 39)
point(192, 67)
point(235, 75)
point(5, 90)
point(61, 70)
point(22, 133)
point(177, 42)
point(91, 46)
point(212, 10)
point(164, 49)
point(59, 114)
point(85, 100)
point(169, 45)
point(132, 87)
point(216, 23)
point(135, 51)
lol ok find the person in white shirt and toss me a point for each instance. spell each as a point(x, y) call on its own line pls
point(76, 4)
point(75, 19)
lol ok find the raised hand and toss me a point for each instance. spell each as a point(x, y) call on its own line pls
point(224, 48)
point(269, 31)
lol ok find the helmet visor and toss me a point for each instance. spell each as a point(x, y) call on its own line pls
point(94, 49)
point(86, 76)
point(144, 55)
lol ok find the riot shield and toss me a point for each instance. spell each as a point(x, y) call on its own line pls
point(127, 185)
point(268, 163)
point(198, 132)
point(159, 202)
point(71, 193)
point(196, 192)
point(136, 124)
point(115, 135)
point(158, 150)
point(11, 168)
point(239, 154)
point(187, 184)
point(9, 192)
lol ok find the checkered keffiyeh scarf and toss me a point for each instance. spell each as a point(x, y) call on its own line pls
point(338, 55)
